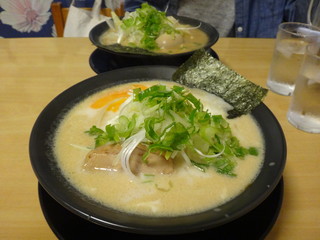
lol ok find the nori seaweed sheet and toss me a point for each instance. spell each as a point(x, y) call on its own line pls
point(205, 72)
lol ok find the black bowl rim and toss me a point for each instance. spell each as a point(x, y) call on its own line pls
point(55, 184)
point(211, 31)
point(101, 61)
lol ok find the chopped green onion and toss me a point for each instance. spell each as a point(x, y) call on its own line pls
point(147, 23)
point(176, 123)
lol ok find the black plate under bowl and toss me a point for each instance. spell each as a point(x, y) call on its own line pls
point(153, 59)
point(67, 226)
point(52, 180)
point(101, 61)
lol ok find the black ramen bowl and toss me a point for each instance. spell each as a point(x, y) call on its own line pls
point(143, 58)
point(53, 181)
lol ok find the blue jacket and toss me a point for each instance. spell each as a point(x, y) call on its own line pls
point(253, 18)
point(260, 18)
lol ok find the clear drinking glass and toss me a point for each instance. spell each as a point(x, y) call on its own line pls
point(291, 42)
point(304, 110)
point(313, 15)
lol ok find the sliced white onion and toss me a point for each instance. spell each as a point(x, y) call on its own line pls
point(80, 147)
point(186, 158)
point(125, 104)
point(174, 154)
point(127, 148)
point(120, 36)
point(209, 156)
point(189, 28)
point(110, 23)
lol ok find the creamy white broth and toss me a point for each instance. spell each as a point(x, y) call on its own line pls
point(190, 40)
point(183, 192)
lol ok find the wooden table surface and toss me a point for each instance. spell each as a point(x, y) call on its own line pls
point(34, 71)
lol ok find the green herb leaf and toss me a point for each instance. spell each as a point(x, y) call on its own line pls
point(94, 131)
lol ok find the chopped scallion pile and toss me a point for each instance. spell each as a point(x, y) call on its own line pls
point(143, 26)
point(175, 121)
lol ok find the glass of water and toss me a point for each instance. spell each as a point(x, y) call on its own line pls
point(291, 42)
point(304, 110)
point(313, 14)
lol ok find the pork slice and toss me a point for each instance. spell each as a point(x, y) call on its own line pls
point(106, 158)
point(156, 164)
point(103, 158)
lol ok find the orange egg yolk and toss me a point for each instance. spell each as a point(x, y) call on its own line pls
point(115, 99)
